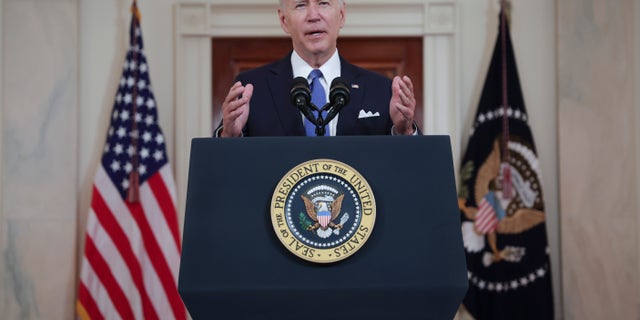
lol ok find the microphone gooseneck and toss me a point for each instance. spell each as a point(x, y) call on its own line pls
point(338, 97)
point(300, 95)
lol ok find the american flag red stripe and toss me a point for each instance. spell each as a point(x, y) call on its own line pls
point(324, 220)
point(103, 272)
point(105, 308)
point(486, 218)
point(157, 258)
point(163, 195)
point(117, 245)
point(132, 249)
point(89, 305)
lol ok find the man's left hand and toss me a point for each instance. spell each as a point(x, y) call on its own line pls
point(402, 105)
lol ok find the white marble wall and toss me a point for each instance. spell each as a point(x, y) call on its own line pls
point(2, 241)
point(598, 148)
point(39, 159)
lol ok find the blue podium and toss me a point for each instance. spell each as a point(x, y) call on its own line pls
point(234, 267)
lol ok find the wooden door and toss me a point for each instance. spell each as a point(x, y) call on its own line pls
point(389, 56)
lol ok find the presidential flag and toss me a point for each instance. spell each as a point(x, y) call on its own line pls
point(132, 247)
point(501, 202)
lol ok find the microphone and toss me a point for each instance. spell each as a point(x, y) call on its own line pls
point(301, 97)
point(339, 93)
point(338, 97)
point(300, 93)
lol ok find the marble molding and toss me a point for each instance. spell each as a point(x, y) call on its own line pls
point(39, 141)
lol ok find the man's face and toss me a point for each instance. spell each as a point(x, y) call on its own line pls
point(314, 26)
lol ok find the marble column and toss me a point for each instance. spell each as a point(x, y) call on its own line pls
point(39, 159)
point(598, 158)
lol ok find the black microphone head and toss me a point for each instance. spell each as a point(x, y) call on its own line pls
point(339, 93)
point(300, 93)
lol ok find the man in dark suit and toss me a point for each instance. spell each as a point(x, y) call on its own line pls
point(258, 104)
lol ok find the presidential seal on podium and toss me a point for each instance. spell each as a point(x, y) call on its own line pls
point(323, 210)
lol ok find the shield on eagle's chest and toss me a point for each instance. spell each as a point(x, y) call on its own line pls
point(324, 217)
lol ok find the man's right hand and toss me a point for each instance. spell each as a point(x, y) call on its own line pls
point(235, 110)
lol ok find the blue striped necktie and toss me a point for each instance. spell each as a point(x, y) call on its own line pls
point(319, 99)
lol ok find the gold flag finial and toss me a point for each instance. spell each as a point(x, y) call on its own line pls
point(135, 11)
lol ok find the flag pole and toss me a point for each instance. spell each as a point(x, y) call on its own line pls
point(133, 194)
point(506, 5)
point(507, 190)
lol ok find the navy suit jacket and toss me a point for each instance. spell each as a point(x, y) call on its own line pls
point(273, 114)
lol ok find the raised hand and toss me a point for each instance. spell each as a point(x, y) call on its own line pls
point(235, 109)
point(402, 105)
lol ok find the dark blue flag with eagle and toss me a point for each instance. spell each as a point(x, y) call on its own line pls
point(501, 202)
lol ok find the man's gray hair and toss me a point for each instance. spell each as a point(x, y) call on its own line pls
point(282, 3)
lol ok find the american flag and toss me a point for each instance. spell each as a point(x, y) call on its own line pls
point(486, 218)
point(132, 248)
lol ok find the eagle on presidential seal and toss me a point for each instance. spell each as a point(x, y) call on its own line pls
point(497, 214)
point(324, 210)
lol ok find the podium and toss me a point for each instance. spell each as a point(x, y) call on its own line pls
point(234, 267)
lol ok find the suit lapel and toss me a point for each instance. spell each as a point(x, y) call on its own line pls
point(349, 113)
point(280, 80)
